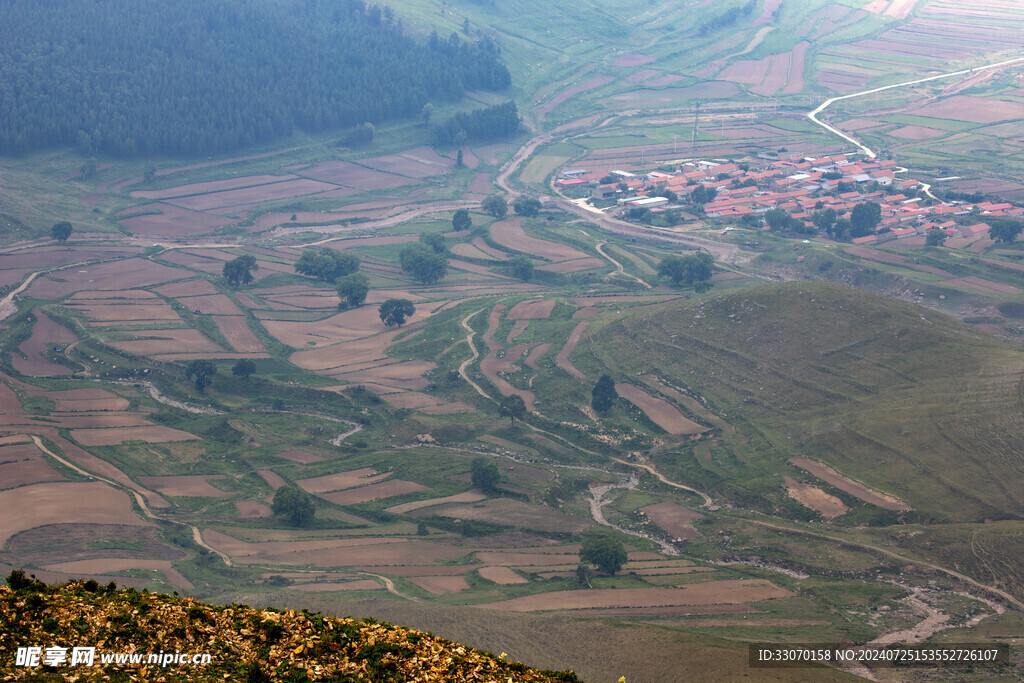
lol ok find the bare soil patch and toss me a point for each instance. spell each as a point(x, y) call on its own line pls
point(441, 585)
point(26, 471)
point(238, 333)
point(252, 195)
point(211, 304)
point(155, 342)
point(339, 481)
point(709, 593)
point(480, 184)
point(349, 353)
point(172, 221)
point(126, 274)
point(471, 496)
point(491, 365)
point(851, 486)
point(336, 553)
point(72, 405)
point(353, 175)
point(897, 259)
point(562, 359)
point(634, 60)
point(197, 287)
point(45, 334)
point(501, 575)
point(585, 312)
point(272, 478)
point(482, 245)
point(421, 162)
point(385, 489)
point(252, 509)
point(125, 312)
point(642, 75)
point(673, 518)
point(469, 251)
point(55, 503)
point(301, 457)
point(972, 109)
point(915, 133)
point(531, 309)
point(813, 497)
point(185, 485)
point(117, 435)
point(209, 186)
point(404, 375)
point(517, 329)
point(514, 513)
point(661, 412)
point(355, 323)
point(595, 82)
point(113, 564)
point(509, 233)
point(982, 284)
point(357, 585)
point(575, 265)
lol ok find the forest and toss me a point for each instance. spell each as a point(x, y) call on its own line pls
point(143, 77)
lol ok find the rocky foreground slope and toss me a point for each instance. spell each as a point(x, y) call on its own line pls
point(83, 631)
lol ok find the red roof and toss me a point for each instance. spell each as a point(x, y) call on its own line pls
point(865, 240)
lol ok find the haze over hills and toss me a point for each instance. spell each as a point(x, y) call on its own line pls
point(580, 363)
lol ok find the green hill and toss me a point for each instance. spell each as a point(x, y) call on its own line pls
point(908, 401)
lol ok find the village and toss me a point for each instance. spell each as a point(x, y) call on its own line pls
point(803, 195)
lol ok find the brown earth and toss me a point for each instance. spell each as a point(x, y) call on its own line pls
point(185, 485)
point(661, 412)
point(509, 233)
point(126, 274)
point(595, 82)
point(336, 553)
point(514, 513)
point(532, 309)
point(45, 334)
point(64, 502)
point(441, 585)
point(363, 494)
point(851, 486)
point(813, 497)
point(339, 481)
point(501, 575)
point(471, 496)
point(562, 359)
point(673, 518)
point(114, 436)
point(238, 333)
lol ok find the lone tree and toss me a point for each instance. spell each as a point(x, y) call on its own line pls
point(395, 311)
point(603, 394)
point(687, 269)
point(423, 263)
point(604, 551)
point(435, 241)
point(239, 271)
point(243, 368)
point(461, 220)
point(201, 372)
point(936, 237)
point(526, 206)
point(352, 289)
point(495, 205)
point(294, 504)
point(484, 474)
point(864, 218)
point(512, 407)
point(61, 231)
point(1005, 231)
point(326, 264)
point(521, 267)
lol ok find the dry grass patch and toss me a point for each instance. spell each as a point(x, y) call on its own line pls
point(238, 333)
point(813, 497)
point(185, 485)
point(363, 494)
point(336, 553)
point(465, 497)
point(335, 482)
point(118, 435)
point(441, 585)
point(562, 359)
point(673, 518)
point(501, 575)
point(509, 233)
point(532, 309)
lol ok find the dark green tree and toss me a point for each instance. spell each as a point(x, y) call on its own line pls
point(583, 575)
point(526, 206)
point(495, 205)
point(435, 241)
point(687, 269)
point(603, 394)
point(61, 231)
point(201, 372)
point(461, 220)
point(484, 474)
point(239, 271)
point(352, 289)
point(936, 237)
point(243, 368)
point(459, 160)
point(513, 407)
point(864, 218)
point(520, 267)
point(604, 551)
point(1005, 231)
point(396, 311)
point(326, 264)
point(825, 219)
point(294, 504)
point(777, 219)
point(702, 194)
point(423, 263)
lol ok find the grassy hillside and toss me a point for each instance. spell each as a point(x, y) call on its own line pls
point(910, 402)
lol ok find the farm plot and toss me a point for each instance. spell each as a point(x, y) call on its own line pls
point(470, 251)
point(531, 309)
point(185, 485)
point(981, 284)
point(661, 412)
point(403, 375)
point(356, 352)
point(186, 288)
point(252, 195)
point(209, 186)
point(337, 553)
point(540, 167)
point(210, 304)
point(22, 464)
point(851, 486)
point(645, 97)
point(238, 333)
point(126, 274)
point(158, 343)
point(45, 334)
point(357, 585)
point(595, 82)
point(509, 233)
point(425, 403)
point(501, 575)
point(825, 504)
point(573, 266)
point(490, 364)
point(441, 585)
point(106, 565)
point(363, 494)
point(673, 518)
point(116, 435)
point(562, 359)
point(728, 592)
point(85, 400)
point(352, 324)
point(64, 502)
point(119, 312)
point(514, 513)
point(471, 496)
point(165, 220)
point(355, 176)
point(480, 244)
point(421, 162)
point(341, 480)
point(972, 109)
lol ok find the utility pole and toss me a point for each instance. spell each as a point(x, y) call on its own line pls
point(696, 124)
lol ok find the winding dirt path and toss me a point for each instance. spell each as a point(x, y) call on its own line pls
point(476, 354)
point(618, 266)
point(390, 586)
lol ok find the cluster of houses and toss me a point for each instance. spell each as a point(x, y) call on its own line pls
point(798, 185)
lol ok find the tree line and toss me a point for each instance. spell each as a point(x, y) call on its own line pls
point(480, 125)
point(142, 77)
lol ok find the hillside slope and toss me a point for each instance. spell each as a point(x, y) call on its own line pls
point(244, 643)
point(904, 399)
